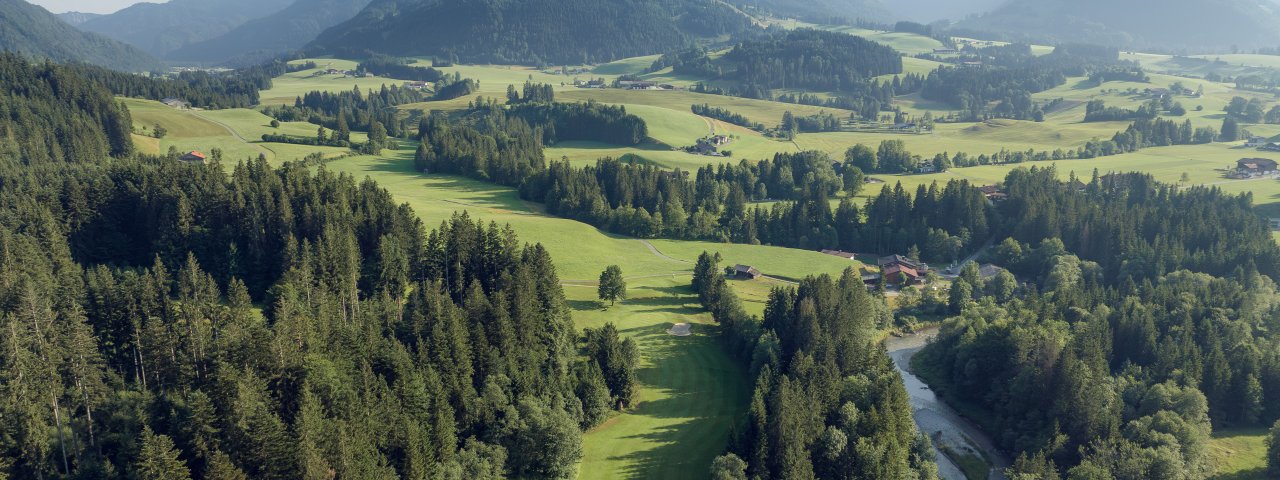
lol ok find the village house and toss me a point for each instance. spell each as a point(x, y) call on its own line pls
point(902, 275)
point(416, 85)
point(746, 272)
point(1158, 92)
point(899, 260)
point(1254, 167)
point(192, 157)
point(993, 193)
point(177, 103)
point(1255, 141)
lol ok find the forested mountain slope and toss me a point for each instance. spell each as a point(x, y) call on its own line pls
point(529, 32)
point(1176, 25)
point(160, 28)
point(283, 31)
point(34, 32)
point(823, 10)
point(77, 18)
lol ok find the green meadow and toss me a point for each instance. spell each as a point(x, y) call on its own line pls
point(692, 392)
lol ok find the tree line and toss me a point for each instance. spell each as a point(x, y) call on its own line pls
point(51, 114)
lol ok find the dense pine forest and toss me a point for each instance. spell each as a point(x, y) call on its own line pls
point(827, 402)
point(50, 114)
point(1148, 322)
point(529, 32)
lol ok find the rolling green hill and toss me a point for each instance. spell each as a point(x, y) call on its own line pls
point(34, 32)
point(282, 31)
point(529, 32)
point(1168, 26)
point(160, 28)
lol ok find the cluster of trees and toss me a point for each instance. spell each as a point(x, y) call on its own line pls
point(1252, 111)
point(212, 90)
point(533, 93)
point(50, 114)
point(818, 122)
point(397, 68)
point(133, 348)
point(1098, 111)
point(827, 402)
point(1009, 80)
point(343, 112)
point(812, 59)
point(726, 115)
point(451, 87)
point(582, 121)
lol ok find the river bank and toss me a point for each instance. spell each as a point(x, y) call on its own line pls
point(957, 440)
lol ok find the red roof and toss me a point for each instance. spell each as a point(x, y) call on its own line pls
point(194, 153)
point(898, 268)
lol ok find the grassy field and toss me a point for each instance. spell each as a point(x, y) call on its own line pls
point(204, 130)
point(692, 395)
point(1239, 454)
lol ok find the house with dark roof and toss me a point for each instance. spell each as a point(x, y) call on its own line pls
point(746, 272)
point(993, 193)
point(891, 260)
point(1252, 167)
point(193, 157)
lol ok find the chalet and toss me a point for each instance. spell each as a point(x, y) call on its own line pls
point(1158, 92)
point(334, 71)
point(1255, 142)
point(177, 103)
point(871, 280)
point(1252, 167)
point(415, 85)
point(993, 193)
point(719, 140)
point(904, 126)
point(746, 272)
point(193, 157)
point(926, 167)
point(901, 275)
point(597, 83)
point(637, 85)
point(841, 254)
point(899, 260)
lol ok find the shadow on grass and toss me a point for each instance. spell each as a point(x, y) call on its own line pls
point(705, 395)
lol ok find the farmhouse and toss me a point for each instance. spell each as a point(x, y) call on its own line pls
point(1252, 167)
point(746, 272)
point(178, 103)
point(1158, 92)
point(415, 85)
point(901, 261)
point(1255, 142)
point(841, 254)
point(192, 157)
point(993, 193)
point(902, 275)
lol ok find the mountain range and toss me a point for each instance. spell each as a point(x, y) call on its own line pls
point(160, 28)
point(1182, 25)
point(283, 31)
point(34, 32)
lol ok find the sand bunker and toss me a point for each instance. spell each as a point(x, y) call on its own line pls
point(680, 330)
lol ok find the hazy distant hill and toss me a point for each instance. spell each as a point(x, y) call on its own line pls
point(820, 10)
point(927, 11)
point(1169, 25)
point(530, 31)
point(77, 18)
point(164, 27)
point(286, 30)
point(34, 32)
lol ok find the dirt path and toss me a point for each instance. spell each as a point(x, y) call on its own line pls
point(655, 251)
point(234, 133)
